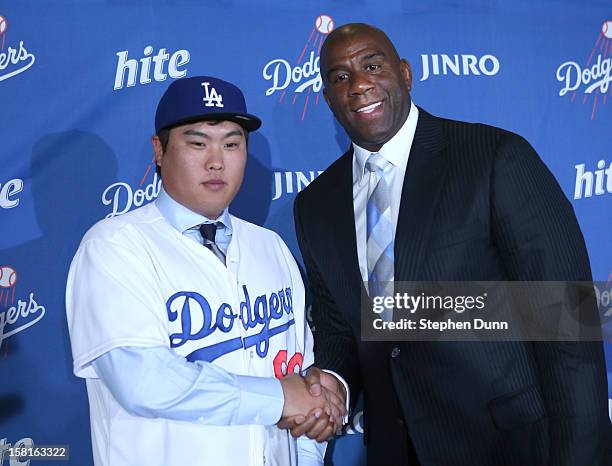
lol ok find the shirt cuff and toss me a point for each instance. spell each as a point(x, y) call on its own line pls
point(261, 400)
point(310, 452)
point(348, 394)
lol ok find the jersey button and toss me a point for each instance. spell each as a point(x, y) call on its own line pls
point(395, 352)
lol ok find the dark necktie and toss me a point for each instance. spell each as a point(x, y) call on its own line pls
point(208, 232)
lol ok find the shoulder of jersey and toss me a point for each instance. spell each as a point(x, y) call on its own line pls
point(109, 227)
point(252, 231)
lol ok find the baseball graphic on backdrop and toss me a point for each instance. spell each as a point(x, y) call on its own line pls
point(324, 24)
point(3, 26)
point(8, 276)
point(606, 28)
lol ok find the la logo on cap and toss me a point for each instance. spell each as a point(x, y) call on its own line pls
point(212, 98)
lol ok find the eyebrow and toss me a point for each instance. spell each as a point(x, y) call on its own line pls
point(193, 132)
point(235, 132)
point(367, 57)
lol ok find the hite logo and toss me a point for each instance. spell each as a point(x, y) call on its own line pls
point(303, 79)
point(8, 193)
point(596, 182)
point(122, 197)
point(459, 65)
point(15, 317)
point(13, 60)
point(160, 71)
point(594, 79)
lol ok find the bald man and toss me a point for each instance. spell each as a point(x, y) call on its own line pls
point(462, 202)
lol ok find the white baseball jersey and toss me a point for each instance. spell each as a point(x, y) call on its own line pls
point(137, 281)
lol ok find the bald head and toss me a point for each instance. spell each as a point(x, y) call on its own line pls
point(351, 30)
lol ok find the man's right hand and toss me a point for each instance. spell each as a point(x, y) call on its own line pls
point(298, 400)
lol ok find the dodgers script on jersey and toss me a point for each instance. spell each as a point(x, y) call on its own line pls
point(142, 283)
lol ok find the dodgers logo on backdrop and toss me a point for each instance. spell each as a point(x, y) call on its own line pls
point(593, 79)
point(266, 316)
point(459, 65)
point(122, 197)
point(16, 315)
point(13, 60)
point(303, 78)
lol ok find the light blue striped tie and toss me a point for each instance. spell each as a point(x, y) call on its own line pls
point(379, 233)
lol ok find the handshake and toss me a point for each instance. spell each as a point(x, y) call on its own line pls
point(314, 404)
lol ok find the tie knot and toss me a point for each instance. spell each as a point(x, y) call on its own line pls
point(208, 231)
point(376, 163)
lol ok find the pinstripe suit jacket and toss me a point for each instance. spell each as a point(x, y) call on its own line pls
point(477, 204)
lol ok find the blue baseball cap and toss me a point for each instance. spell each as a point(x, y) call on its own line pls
point(203, 98)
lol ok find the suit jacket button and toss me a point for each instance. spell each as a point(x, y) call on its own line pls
point(400, 421)
point(395, 352)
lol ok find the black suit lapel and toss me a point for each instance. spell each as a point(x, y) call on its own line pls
point(423, 184)
point(342, 216)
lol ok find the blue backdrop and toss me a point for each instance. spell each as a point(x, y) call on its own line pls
point(79, 84)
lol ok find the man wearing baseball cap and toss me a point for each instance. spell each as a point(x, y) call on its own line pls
point(187, 322)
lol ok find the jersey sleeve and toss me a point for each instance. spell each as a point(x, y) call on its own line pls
point(157, 383)
point(111, 301)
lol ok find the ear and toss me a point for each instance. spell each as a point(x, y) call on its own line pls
point(158, 151)
point(406, 71)
point(326, 97)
